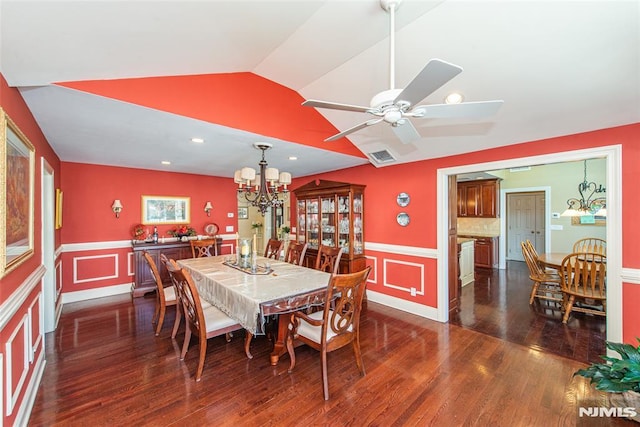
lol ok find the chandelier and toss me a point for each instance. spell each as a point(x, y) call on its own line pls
point(590, 201)
point(262, 190)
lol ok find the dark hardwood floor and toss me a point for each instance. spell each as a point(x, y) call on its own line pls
point(497, 304)
point(105, 367)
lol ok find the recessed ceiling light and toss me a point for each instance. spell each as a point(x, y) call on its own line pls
point(453, 98)
point(198, 140)
point(165, 162)
point(293, 158)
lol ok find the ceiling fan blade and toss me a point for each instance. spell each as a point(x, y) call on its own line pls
point(435, 74)
point(335, 106)
point(354, 129)
point(406, 132)
point(463, 110)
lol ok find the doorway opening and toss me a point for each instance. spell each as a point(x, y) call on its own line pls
point(507, 273)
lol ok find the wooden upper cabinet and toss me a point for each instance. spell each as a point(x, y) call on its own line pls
point(479, 199)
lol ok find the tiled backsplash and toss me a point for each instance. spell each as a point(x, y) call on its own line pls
point(480, 226)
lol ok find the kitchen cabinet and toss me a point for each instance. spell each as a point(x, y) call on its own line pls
point(486, 252)
point(332, 214)
point(144, 280)
point(479, 199)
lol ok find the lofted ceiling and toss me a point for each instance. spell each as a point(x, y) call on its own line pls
point(129, 83)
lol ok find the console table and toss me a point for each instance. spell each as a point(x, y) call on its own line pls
point(144, 280)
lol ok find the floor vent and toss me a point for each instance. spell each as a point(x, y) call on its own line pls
point(382, 157)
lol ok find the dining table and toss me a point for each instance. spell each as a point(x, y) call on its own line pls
point(274, 288)
point(552, 259)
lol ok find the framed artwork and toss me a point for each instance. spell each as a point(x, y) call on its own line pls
point(243, 212)
point(165, 210)
point(58, 208)
point(17, 163)
point(589, 220)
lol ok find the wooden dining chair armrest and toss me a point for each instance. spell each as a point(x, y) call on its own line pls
point(302, 315)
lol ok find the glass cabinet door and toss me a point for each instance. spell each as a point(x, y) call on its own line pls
point(358, 247)
point(301, 233)
point(313, 235)
point(328, 218)
point(344, 208)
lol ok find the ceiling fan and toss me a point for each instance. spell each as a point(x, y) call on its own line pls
point(396, 106)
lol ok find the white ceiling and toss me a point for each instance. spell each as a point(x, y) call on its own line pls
point(561, 67)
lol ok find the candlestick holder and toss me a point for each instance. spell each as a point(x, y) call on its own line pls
point(254, 262)
point(245, 253)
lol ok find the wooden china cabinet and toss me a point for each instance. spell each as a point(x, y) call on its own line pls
point(332, 214)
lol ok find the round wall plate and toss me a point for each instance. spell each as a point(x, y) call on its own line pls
point(403, 219)
point(403, 199)
point(211, 229)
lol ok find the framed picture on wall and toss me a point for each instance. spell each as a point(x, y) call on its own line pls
point(165, 210)
point(17, 161)
point(243, 212)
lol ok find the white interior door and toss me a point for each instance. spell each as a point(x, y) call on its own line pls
point(525, 220)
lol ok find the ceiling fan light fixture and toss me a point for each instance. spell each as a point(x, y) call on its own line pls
point(454, 98)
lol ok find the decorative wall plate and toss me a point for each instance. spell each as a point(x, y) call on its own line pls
point(403, 199)
point(403, 219)
point(211, 229)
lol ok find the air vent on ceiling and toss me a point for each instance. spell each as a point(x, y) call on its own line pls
point(382, 157)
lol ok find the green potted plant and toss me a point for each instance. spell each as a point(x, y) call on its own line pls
point(620, 376)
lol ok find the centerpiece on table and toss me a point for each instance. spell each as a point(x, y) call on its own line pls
point(182, 232)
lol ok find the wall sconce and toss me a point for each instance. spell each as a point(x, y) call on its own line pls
point(116, 207)
point(207, 208)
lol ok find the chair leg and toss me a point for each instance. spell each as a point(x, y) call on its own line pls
point(160, 319)
point(358, 354)
point(154, 319)
point(203, 353)
point(185, 344)
point(247, 344)
point(291, 351)
point(567, 310)
point(325, 379)
point(534, 290)
point(176, 322)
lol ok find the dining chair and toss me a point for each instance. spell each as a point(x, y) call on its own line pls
point(203, 248)
point(336, 326)
point(203, 323)
point(273, 249)
point(328, 259)
point(584, 277)
point(165, 297)
point(546, 283)
point(591, 244)
point(295, 253)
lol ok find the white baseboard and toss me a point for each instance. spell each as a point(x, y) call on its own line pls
point(24, 412)
point(106, 291)
point(404, 305)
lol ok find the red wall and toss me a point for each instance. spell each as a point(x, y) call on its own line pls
point(24, 319)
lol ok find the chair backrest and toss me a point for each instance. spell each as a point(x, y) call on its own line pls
point(156, 275)
point(203, 248)
point(328, 259)
point(591, 244)
point(345, 291)
point(170, 265)
point(273, 249)
point(530, 257)
point(191, 305)
point(584, 273)
point(295, 253)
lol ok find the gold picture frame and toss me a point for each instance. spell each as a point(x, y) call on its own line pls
point(166, 210)
point(58, 208)
point(17, 163)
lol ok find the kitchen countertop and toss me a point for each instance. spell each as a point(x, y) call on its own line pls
point(462, 240)
point(472, 235)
